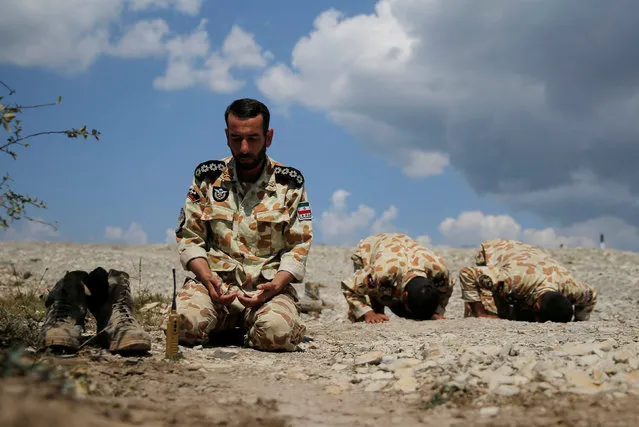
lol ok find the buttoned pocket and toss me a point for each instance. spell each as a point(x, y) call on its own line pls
point(219, 222)
point(270, 232)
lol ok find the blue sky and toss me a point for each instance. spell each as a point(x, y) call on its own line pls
point(399, 120)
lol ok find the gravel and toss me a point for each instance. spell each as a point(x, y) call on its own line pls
point(481, 358)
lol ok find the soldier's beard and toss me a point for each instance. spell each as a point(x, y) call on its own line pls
point(242, 164)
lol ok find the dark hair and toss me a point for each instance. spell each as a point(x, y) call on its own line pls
point(422, 298)
point(247, 108)
point(554, 307)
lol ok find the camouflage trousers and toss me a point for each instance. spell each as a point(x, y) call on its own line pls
point(275, 325)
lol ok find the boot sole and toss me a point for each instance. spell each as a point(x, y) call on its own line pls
point(61, 345)
point(132, 346)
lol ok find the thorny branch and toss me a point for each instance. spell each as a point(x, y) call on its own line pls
point(13, 205)
point(11, 91)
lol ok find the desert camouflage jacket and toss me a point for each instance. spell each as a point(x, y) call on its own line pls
point(384, 263)
point(246, 234)
point(521, 273)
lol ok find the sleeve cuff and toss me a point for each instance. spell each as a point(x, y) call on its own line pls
point(191, 253)
point(470, 296)
point(297, 269)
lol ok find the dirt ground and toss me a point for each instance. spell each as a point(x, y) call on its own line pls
point(223, 387)
point(322, 384)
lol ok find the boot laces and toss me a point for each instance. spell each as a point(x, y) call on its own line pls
point(122, 306)
point(61, 309)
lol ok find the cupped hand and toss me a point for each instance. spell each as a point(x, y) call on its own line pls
point(214, 286)
point(265, 291)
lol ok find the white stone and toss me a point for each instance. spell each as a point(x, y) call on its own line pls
point(372, 358)
point(381, 375)
point(489, 411)
point(622, 356)
point(506, 390)
point(375, 386)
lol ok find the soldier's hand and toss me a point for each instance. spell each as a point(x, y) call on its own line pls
point(372, 317)
point(438, 317)
point(214, 287)
point(265, 292)
point(200, 267)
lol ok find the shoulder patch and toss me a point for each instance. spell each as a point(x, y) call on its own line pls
point(192, 194)
point(485, 281)
point(210, 169)
point(288, 175)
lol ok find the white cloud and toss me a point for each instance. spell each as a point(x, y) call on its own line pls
point(144, 39)
point(473, 227)
point(548, 237)
point(470, 228)
point(64, 34)
point(420, 164)
point(30, 231)
point(384, 224)
point(183, 51)
point(474, 86)
point(70, 35)
point(339, 226)
point(424, 240)
point(335, 53)
point(618, 234)
point(135, 235)
point(192, 63)
point(189, 7)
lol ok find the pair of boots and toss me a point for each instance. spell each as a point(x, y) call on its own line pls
point(108, 297)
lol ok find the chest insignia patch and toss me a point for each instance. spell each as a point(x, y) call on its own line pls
point(220, 194)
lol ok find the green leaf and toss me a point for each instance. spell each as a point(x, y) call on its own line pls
point(59, 99)
point(6, 126)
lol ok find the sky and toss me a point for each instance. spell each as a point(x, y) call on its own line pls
point(450, 121)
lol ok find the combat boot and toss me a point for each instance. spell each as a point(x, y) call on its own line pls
point(119, 329)
point(66, 306)
point(98, 302)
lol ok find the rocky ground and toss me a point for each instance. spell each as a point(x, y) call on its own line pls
point(447, 373)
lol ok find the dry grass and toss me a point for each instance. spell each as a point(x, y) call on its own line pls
point(22, 309)
point(149, 318)
point(21, 315)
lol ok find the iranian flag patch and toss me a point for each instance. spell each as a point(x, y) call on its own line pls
point(304, 211)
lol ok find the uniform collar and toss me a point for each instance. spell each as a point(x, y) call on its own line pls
point(266, 179)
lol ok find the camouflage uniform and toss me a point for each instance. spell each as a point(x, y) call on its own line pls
point(383, 264)
point(512, 272)
point(247, 235)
